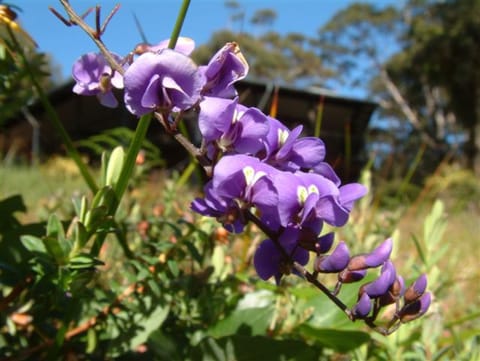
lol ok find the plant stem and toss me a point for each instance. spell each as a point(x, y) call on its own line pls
point(52, 115)
point(311, 278)
point(122, 184)
point(130, 159)
point(178, 24)
point(75, 19)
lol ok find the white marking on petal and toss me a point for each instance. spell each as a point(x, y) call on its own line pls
point(251, 177)
point(282, 136)
point(302, 194)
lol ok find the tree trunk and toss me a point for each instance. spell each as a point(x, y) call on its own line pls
point(473, 142)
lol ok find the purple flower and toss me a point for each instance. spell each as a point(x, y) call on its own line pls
point(239, 182)
point(226, 212)
point(94, 76)
point(225, 68)
point(284, 150)
point(232, 126)
point(373, 259)
point(270, 261)
point(308, 199)
point(167, 80)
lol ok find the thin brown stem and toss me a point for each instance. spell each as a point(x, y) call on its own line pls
point(75, 19)
point(80, 329)
point(108, 18)
point(97, 21)
point(14, 293)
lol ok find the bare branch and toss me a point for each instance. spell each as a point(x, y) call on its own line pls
point(405, 108)
point(75, 19)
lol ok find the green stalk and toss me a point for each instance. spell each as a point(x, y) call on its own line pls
point(411, 170)
point(52, 115)
point(178, 24)
point(319, 117)
point(122, 184)
point(130, 159)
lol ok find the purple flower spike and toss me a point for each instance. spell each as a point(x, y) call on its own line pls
point(416, 289)
point(225, 68)
point(416, 309)
point(335, 262)
point(347, 276)
point(362, 307)
point(94, 76)
point(382, 284)
point(168, 80)
point(373, 259)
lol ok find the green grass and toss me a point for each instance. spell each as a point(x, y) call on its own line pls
point(46, 187)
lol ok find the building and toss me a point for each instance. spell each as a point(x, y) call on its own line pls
point(344, 123)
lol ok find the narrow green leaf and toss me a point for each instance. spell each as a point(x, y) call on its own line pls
point(84, 261)
point(419, 248)
point(55, 227)
point(91, 341)
point(173, 266)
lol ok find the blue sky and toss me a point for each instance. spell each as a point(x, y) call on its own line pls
point(66, 44)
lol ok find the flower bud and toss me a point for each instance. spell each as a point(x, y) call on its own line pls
point(373, 259)
point(324, 243)
point(381, 285)
point(415, 309)
point(335, 262)
point(362, 307)
point(416, 289)
point(394, 292)
point(347, 276)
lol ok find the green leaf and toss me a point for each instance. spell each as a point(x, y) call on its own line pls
point(84, 261)
point(55, 249)
point(55, 227)
point(247, 348)
point(149, 323)
point(91, 340)
point(33, 244)
point(173, 266)
point(434, 225)
point(338, 340)
point(249, 321)
point(94, 217)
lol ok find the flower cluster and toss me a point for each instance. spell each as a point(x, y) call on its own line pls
point(388, 288)
point(262, 171)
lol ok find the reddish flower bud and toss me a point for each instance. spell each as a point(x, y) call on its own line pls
point(416, 309)
point(335, 262)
